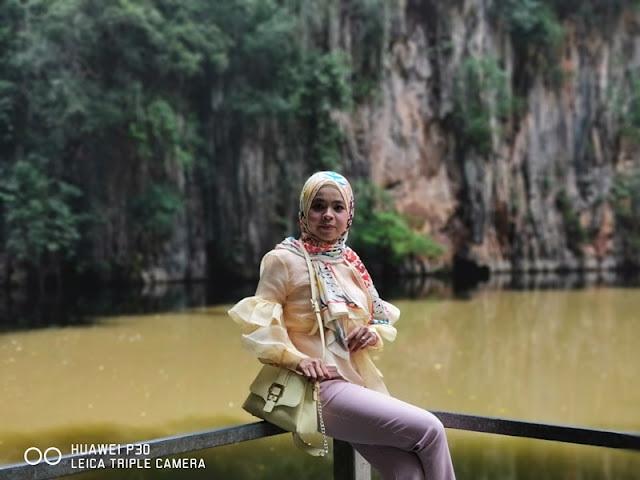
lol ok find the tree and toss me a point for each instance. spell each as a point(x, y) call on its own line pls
point(38, 215)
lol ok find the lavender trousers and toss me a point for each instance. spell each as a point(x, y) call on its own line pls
point(400, 440)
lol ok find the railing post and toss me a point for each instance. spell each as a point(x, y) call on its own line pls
point(349, 464)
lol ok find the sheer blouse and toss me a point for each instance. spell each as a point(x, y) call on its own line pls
point(277, 321)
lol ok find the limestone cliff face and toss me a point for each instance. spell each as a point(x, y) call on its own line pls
point(517, 205)
point(501, 209)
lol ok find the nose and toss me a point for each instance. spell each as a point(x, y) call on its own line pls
point(328, 213)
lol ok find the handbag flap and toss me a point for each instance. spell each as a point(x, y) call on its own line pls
point(279, 386)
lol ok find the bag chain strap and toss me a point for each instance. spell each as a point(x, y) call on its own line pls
point(316, 308)
point(325, 445)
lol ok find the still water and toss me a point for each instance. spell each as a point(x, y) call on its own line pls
point(559, 356)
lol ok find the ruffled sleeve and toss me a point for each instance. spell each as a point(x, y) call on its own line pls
point(260, 316)
point(386, 331)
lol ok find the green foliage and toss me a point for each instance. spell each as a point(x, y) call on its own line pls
point(128, 92)
point(82, 62)
point(89, 71)
point(159, 131)
point(380, 232)
point(481, 92)
point(38, 213)
point(272, 74)
point(629, 110)
point(7, 89)
point(591, 12)
point(535, 31)
point(261, 49)
point(93, 87)
point(625, 197)
point(530, 22)
point(367, 45)
point(153, 212)
point(321, 84)
point(575, 233)
point(9, 75)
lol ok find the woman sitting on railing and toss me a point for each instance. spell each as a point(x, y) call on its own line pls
point(402, 441)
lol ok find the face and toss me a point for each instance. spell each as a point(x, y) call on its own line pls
point(328, 215)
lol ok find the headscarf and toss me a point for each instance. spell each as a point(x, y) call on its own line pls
point(335, 303)
point(311, 187)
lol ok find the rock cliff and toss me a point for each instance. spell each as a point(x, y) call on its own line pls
point(537, 197)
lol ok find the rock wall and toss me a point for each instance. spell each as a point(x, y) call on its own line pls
point(510, 209)
point(501, 210)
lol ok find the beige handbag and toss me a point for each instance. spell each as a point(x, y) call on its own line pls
point(286, 398)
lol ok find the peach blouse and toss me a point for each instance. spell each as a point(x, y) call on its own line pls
point(277, 321)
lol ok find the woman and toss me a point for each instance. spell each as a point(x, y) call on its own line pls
point(400, 440)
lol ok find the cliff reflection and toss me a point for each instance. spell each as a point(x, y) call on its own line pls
point(435, 287)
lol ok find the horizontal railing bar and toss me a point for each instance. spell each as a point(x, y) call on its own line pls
point(541, 431)
point(191, 442)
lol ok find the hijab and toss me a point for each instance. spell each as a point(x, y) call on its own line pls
point(336, 304)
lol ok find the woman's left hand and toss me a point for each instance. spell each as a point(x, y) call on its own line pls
point(361, 337)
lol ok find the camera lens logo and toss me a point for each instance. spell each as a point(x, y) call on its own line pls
point(42, 456)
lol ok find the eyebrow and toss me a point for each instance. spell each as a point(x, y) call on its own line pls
point(321, 199)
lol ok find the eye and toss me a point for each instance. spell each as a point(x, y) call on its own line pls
point(317, 206)
point(339, 208)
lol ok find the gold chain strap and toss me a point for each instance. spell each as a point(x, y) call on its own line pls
point(325, 444)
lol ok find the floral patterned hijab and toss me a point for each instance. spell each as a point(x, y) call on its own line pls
point(311, 187)
point(336, 304)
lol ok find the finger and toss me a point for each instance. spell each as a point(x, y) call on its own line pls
point(325, 371)
point(361, 339)
point(309, 371)
point(362, 344)
point(349, 337)
point(317, 371)
point(369, 339)
point(355, 332)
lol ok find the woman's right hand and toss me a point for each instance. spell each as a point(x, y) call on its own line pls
point(313, 369)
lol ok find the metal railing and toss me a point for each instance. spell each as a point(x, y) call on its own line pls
point(347, 463)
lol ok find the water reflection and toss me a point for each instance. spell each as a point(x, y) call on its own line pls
point(435, 287)
point(24, 310)
point(561, 281)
